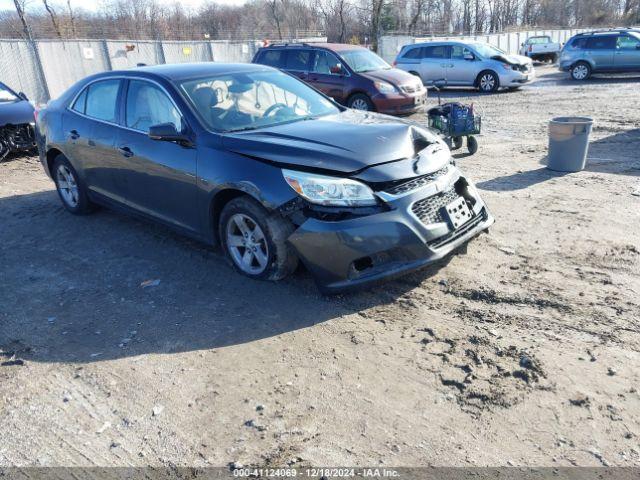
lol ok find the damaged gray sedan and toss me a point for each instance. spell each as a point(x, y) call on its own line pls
point(255, 160)
point(16, 122)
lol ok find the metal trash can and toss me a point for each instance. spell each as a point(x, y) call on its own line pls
point(568, 143)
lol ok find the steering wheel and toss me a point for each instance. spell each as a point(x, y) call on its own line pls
point(274, 108)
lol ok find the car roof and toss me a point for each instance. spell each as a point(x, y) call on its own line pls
point(182, 71)
point(335, 47)
point(437, 43)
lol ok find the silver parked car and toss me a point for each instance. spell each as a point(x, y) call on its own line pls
point(610, 51)
point(474, 64)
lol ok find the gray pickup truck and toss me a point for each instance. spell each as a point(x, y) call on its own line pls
point(541, 48)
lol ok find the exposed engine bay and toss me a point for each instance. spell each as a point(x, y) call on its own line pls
point(15, 138)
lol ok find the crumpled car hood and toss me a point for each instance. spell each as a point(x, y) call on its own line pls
point(16, 113)
point(349, 143)
point(512, 59)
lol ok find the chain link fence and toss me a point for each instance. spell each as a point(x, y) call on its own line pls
point(43, 69)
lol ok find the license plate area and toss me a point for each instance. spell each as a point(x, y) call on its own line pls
point(458, 213)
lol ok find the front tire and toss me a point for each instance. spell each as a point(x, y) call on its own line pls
point(581, 71)
point(255, 240)
point(359, 101)
point(488, 82)
point(71, 189)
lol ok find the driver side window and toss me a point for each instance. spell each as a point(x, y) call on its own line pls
point(458, 52)
point(148, 105)
point(323, 62)
point(625, 42)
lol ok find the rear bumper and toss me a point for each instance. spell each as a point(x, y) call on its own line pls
point(400, 103)
point(346, 254)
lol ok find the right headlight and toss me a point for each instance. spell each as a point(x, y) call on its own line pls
point(330, 191)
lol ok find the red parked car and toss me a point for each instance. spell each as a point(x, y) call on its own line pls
point(353, 76)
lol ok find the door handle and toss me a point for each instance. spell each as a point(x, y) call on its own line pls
point(74, 135)
point(125, 152)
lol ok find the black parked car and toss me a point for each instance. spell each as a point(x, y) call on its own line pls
point(16, 122)
point(252, 158)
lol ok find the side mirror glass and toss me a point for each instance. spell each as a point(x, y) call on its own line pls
point(23, 96)
point(336, 69)
point(167, 132)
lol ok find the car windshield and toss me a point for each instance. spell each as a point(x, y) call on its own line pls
point(487, 50)
point(362, 60)
point(6, 95)
point(251, 100)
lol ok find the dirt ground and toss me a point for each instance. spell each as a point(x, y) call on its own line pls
point(523, 351)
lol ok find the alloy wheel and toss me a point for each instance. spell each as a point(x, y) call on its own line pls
point(487, 82)
point(247, 244)
point(67, 186)
point(580, 72)
point(359, 104)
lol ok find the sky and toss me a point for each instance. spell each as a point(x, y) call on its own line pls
point(93, 5)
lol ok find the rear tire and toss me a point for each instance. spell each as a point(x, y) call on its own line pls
point(71, 189)
point(580, 71)
point(255, 240)
point(488, 82)
point(359, 101)
point(472, 145)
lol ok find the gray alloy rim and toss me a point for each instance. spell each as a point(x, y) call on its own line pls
point(580, 72)
point(67, 186)
point(247, 244)
point(487, 82)
point(360, 104)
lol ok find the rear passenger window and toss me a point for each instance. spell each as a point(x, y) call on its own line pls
point(579, 44)
point(601, 43)
point(81, 102)
point(439, 51)
point(101, 100)
point(298, 60)
point(272, 58)
point(413, 53)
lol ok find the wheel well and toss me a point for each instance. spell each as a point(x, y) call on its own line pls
point(361, 92)
point(477, 82)
point(217, 204)
point(51, 156)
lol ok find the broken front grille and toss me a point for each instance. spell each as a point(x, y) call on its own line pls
point(16, 137)
point(429, 210)
point(416, 183)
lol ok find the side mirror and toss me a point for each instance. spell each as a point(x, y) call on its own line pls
point(469, 56)
point(167, 132)
point(23, 96)
point(336, 69)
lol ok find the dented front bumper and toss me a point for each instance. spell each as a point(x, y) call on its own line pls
point(411, 234)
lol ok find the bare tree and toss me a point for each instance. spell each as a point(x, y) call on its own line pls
point(52, 15)
point(20, 5)
point(275, 14)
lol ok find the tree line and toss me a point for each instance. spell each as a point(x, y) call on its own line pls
point(355, 21)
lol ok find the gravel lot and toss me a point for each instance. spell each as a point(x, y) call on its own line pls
point(523, 351)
